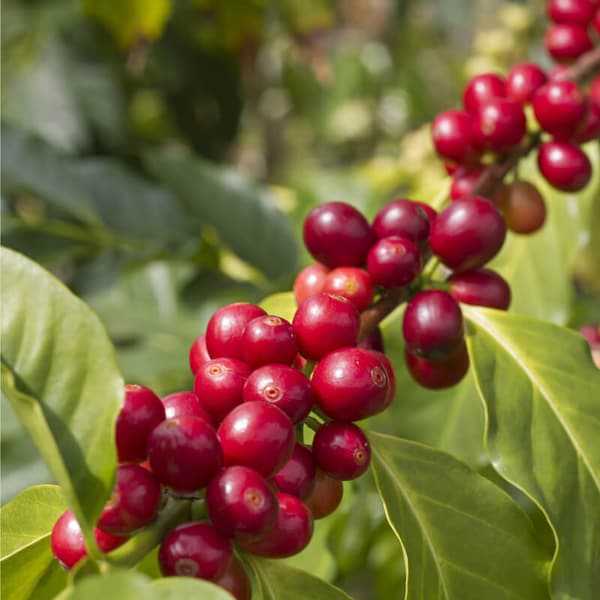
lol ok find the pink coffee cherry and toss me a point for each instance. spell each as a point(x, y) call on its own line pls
point(523, 81)
point(180, 404)
point(310, 281)
point(353, 283)
point(267, 340)
point(198, 354)
point(500, 124)
point(560, 108)
point(394, 261)
point(403, 218)
point(481, 287)
point(564, 165)
point(578, 12)
point(297, 476)
point(452, 134)
point(565, 41)
point(481, 89)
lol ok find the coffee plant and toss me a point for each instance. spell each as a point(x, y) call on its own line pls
point(406, 416)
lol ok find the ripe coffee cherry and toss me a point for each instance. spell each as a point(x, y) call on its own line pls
point(441, 374)
point(184, 453)
point(524, 209)
point(389, 370)
point(268, 340)
point(324, 323)
point(564, 165)
point(373, 341)
point(452, 133)
point(257, 435)
point(565, 42)
point(142, 411)
point(590, 130)
point(481, 287)
point(350, 384)
point(297, 476)
point(464, 181)
point(68, 546)
point(198, 353)
point(195, 550)
point(235, 580)
point(337, 235)
point(226, 327)
point(432, 325)
point(310, 281)
point(134, 502)
point(404, 218)
point(523, 81)
point(351, 283)
point(285, 387)
point(429, 210)
point(481, 89)
point(560, 108)
point(578, 12)
point(468, 233)
point(341, 450)
point(240, 503)
point(326, 495)
point(500, 124)
point(219, 385)
point(181, 404)
point(291, 534)
point(394, 261)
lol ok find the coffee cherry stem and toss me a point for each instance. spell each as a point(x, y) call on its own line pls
point(430, 269)
point(313, 423)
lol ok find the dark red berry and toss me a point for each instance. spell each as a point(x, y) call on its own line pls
point(429, 210)
point(350, 384)
point(389, 369)
point(352, 283)
point(235, 580)
point(258, 435)
point(523, 80)
point(524, 209)
point(394, 261)
point(481, 287)
point(566, 42)
point(441, 374)
point(372, 341)
point(464, 181)
point(324, 323)
point(297, 476)
point(240, 503)
point(269, 340)
point(578, 12)
point(226, 327)
point(285, 387)
point(195, 550)
point(500, 124)
point(337, 235)
point(180, 404)
point(468, 233)
point(184, 453)
point(452, 133)
point(432, 325)
point(590, 130)
point(198, 353)
point(403, 218)
point(481, 89)
point(560, 108)
point(326, 495)
point(142, 411)
point(564, 165)
point(341, 450)
point(310, 281)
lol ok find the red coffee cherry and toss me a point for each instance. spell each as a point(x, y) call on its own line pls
point(68, 546)
point(337, 235)
point(481, 89)
point(310, 281)
point(180, 404)
point(452, 134)
point(219, 385)
point(590, 130)
point(564, 165)
point(226, 327)
point(523, 81)
point(350, 384)
point(389, 369)
point(297, 476)
point(440, 374)
point(341, 450)
point(578, 12)
point(142, 411)
point(269, 340)
point(372, 341)
point(195, 550)
point(500, 124)
point(468, 233)
point(524, 208)
point(240, 503)
point(285, 387)
point(326, 495)
point(324, 323)
point(429, 210)
point(432, 325)
point(464, 181)
point(258, 435)
point(394, 261)
point(352, 283)
point(235, 580)
point(184, 453)
point(403, 218)
point(560, 108)
point(291, 534)
point(198, 353)
point(134, 502)
point(481, 287)
point(565, 42)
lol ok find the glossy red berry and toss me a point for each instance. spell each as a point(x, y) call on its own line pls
point(468, 233)
point(429, 210)
point(560, 108)
point(432, 325)
point(184, 453)
point(297, 476)
point(195, 550)
point(564, 165)
point(326, 495)
point(235, 580)
point(142, 411)
point(500, 124)
point(440, 374)
point(350, 384)
point(394, 261)
point(180, 404)
point(341, 450)
point(578, 12)
point(481, 287)
point(590, 130)
point(452, 134)
point(565, 41)
point(481, 89)
point(258, 435)
point(285, 387)
point(310, 281)
point(372, 341)
point(324, 323)
point(464, 181)
point(291, 534)
point(353, 283)
point(269, 340)
point(226, 327)
point(198, 353)
point(389, 370)
point(337, 235)
point(524, 208)
point(240, 503)
point(523, 81)
point(403, 218)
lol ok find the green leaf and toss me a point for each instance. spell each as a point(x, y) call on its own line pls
point(463, 537)
point(244, 215)
point(175, 588)
point(60, 375)
point(25, 524)
point(281, 305)
point(542, 396)
point(275, 581)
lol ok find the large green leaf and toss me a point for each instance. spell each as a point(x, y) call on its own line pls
point(25, 525)
point(542, 395)
point(60, 375)
point(463, 537)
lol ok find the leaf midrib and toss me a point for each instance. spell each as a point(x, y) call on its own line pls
point(33, 542)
